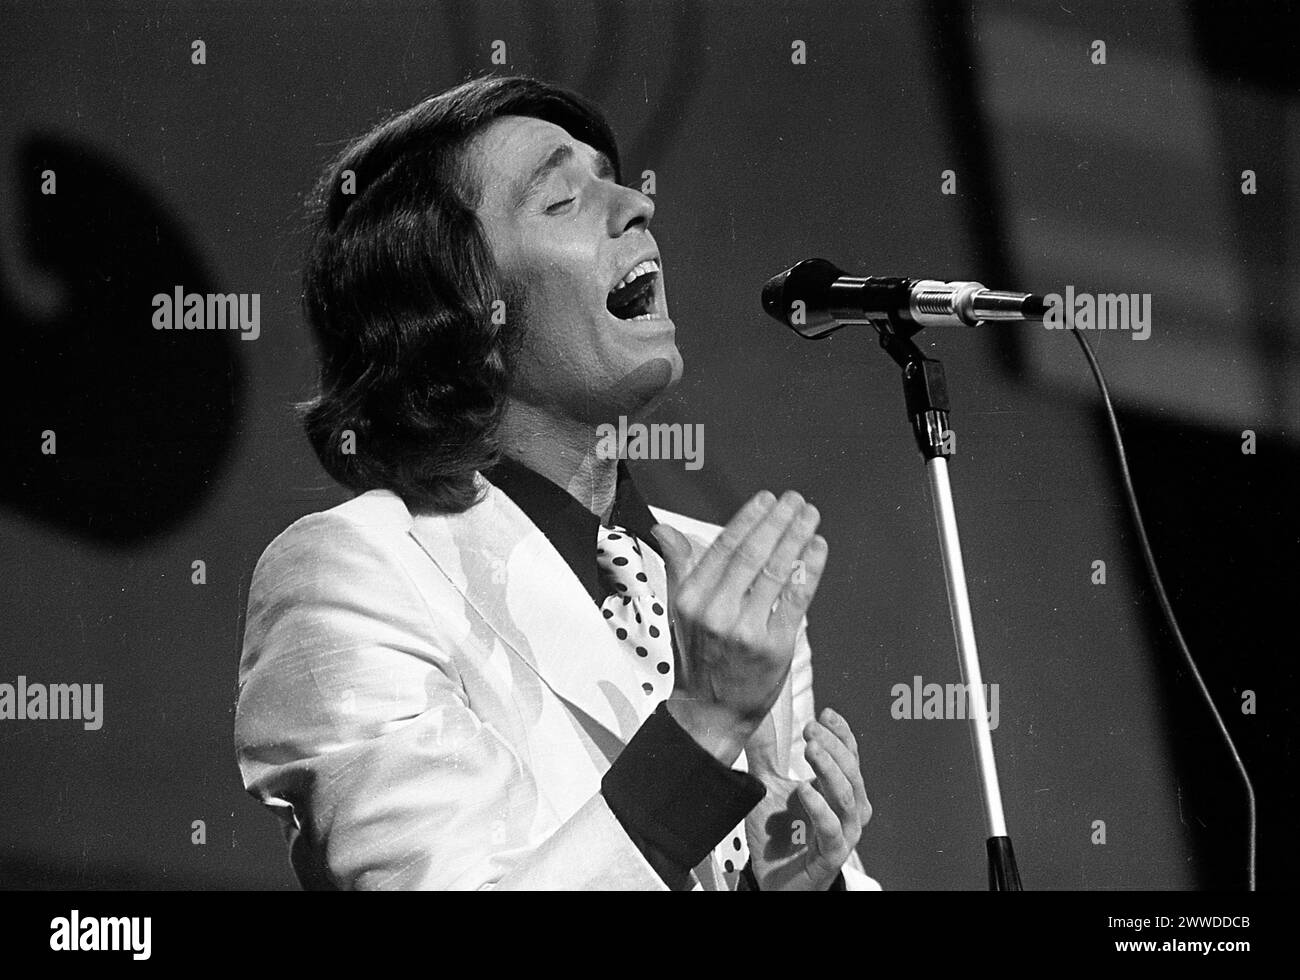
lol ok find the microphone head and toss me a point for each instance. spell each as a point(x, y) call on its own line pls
point(800, 298)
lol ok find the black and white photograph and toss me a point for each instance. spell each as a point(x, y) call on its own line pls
point(649, 446)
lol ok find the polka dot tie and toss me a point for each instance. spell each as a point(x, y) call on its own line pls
point(635, 614)
point(640, 622)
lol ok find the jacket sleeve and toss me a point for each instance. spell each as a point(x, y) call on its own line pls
point(804, 711)
point(353, 726)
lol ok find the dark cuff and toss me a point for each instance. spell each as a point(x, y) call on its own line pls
point(674, 799)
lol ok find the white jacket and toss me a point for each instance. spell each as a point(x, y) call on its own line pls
point(430, 702)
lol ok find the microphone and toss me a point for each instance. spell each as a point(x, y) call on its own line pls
point(815, 298)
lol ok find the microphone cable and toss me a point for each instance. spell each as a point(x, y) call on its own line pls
point(1168, 610)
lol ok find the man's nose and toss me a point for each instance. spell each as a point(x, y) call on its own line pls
point(629, 209)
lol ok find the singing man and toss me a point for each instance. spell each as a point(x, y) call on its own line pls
point(497, 666)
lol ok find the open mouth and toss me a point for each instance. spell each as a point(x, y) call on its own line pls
point(634, 296)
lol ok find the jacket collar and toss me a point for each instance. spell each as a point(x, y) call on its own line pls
point(568, 525)
point(515, 578)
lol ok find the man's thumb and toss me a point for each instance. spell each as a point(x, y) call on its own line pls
point(676, 551)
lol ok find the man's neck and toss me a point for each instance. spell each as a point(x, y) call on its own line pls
point(563, 451)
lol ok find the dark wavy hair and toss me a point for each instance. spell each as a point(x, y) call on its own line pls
point(398, 288)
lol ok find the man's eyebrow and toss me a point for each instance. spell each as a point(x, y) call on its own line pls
point(557, 158)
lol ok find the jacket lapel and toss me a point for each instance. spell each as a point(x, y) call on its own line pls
point(524, 590)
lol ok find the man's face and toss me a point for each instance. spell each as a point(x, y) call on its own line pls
point(564, 235)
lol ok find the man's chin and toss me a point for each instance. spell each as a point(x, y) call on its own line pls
point(643, 389)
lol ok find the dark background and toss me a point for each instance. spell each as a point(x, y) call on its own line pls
point(1117, 177)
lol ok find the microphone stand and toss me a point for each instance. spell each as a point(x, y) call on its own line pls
point(926, 394)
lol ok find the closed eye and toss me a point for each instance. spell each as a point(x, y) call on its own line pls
point(558, 206)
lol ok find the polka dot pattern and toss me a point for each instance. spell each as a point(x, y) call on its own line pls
point(639, 620)
point(634, 612)
point(733, 853)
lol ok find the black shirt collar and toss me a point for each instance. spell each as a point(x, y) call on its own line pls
point(567, 524)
